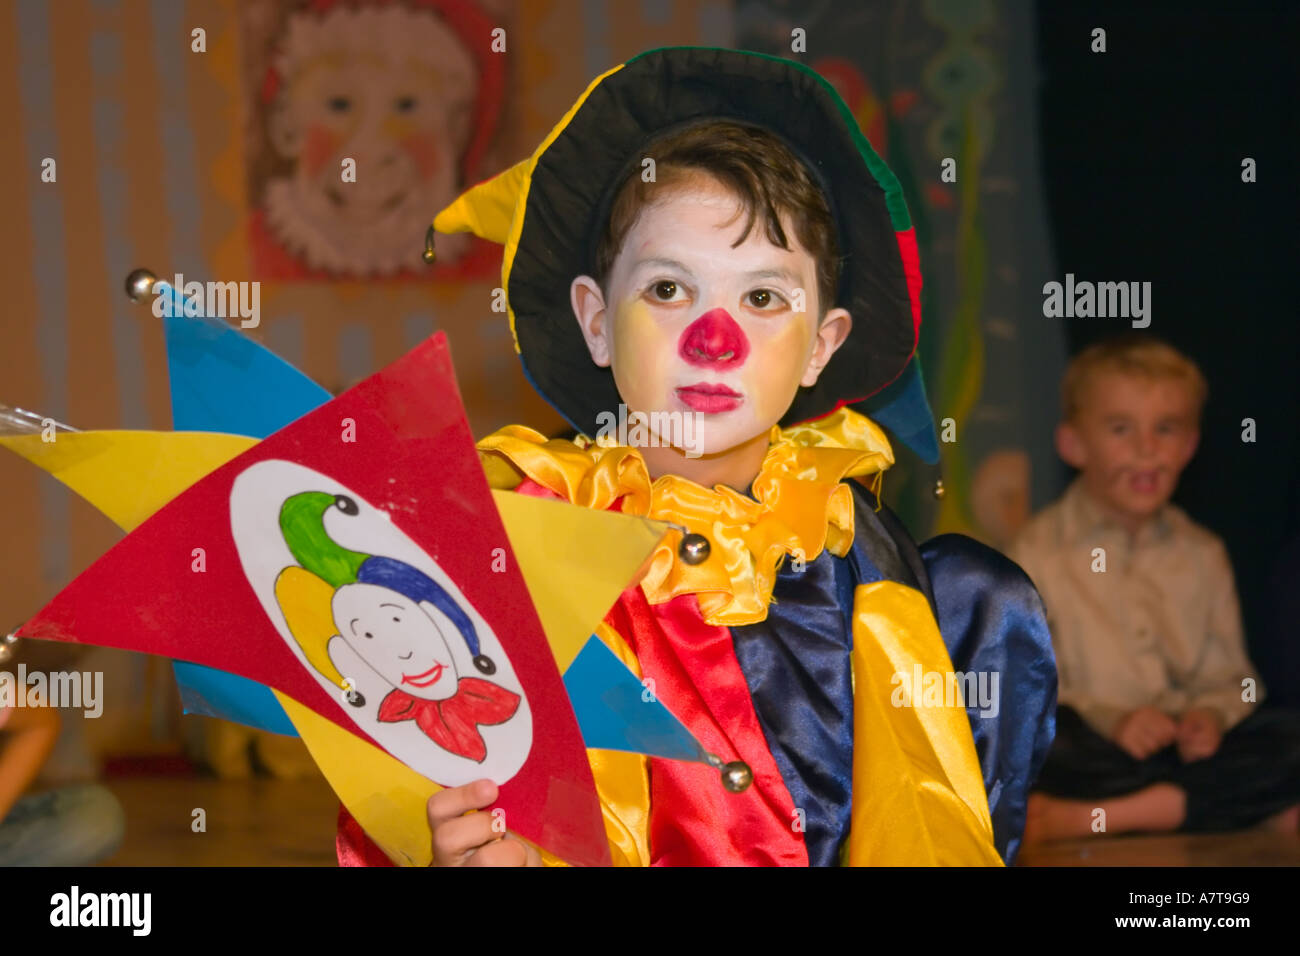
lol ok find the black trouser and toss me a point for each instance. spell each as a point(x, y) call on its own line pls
point(1253, 775)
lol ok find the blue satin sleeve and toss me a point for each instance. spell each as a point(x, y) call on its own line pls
point(992, 621)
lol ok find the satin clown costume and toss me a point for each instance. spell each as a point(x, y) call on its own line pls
point(808, 642)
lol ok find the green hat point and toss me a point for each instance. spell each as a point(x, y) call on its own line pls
point(302, 522)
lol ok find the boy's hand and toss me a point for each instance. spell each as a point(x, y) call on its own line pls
point(462, 838)
point(1199, 734)
point(1144, 732)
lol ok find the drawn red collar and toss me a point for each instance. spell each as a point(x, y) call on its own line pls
point(453, 723)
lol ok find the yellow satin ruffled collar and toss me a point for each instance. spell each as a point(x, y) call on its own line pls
point(799, 508)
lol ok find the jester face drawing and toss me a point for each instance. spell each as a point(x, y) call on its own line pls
point(403, 649)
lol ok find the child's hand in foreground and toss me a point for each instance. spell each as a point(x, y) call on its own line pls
point(1144, 732)
point(1199, 734)
point(461, 838)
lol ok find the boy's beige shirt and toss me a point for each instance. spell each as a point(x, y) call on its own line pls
point(1159, 627)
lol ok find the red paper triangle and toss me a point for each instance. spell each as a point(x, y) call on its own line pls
point(399, 444)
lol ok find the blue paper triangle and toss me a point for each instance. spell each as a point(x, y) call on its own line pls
point(223, 381)
point(616, 711)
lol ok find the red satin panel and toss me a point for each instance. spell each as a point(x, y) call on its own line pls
point(693, 820)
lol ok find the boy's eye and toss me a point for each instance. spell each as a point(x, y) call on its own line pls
point(340, 104)
point(764, 298)
point(405, 104)
point(667, 290)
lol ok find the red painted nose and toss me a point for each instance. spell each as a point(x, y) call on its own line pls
point(714, 340)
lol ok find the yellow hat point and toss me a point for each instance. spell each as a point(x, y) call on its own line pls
point(488, 209)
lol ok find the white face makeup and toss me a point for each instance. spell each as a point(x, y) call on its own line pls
point(400, 640)
point(693, 326)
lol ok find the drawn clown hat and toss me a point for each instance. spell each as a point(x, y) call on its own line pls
point(302, 522)
point(550, 209)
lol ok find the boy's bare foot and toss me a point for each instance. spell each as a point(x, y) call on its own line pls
point(1288, 821)
point(1160, 807)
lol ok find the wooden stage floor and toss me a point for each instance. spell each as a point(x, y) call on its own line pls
point(267, 822)
point(255, 822)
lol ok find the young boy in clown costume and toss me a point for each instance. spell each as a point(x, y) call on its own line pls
point(760, 273)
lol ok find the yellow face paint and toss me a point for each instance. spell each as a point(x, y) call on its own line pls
point(778, 357)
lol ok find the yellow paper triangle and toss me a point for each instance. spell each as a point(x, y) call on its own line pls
point(575, 561)
point(129, 475)
point(384, 795)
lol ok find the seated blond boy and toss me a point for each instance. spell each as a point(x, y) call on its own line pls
point(1158, 721)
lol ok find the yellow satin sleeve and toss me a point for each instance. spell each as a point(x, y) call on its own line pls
point(918, 794)
point(622, 784)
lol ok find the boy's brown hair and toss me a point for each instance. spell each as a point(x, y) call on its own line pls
point(1140, 356)
point(758, 169)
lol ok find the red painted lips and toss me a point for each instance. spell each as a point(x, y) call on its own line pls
point(709, 398)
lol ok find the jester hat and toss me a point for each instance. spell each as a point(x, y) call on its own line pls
point(550, 209)
point(302, 523)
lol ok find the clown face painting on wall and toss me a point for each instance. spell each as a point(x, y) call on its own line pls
point(380, 625)
point(364, 115)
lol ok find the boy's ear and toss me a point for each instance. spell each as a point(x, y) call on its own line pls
point(831, 334)
point(589, 309)
point(1070, 445)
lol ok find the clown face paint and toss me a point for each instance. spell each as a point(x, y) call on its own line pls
point(702, 328)
point(378, 624)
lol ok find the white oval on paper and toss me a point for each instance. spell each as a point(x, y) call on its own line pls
point(403, 637)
